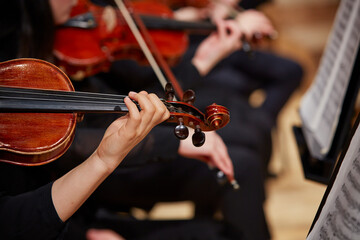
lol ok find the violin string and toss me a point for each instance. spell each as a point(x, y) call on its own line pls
point(78, 96)
point(72, 97)
point(57, 100)
point(74, 102)
point(59, 93)
point(94, 99)
point(62, 96)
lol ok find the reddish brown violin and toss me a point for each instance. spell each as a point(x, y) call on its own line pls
point(88, 43)
point(39, 110)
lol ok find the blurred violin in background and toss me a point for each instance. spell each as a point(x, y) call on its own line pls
point(96, 36)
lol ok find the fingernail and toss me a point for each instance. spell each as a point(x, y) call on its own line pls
point(131, 94)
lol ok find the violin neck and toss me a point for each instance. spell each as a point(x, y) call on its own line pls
point(87, 21)
point(53, 101)
point(153, 22)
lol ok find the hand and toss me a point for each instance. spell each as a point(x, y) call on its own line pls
point(217, 46)
point(191, 14)
point(214, 152)
point(124, 133)
point(222, 9)
point(71, 190)
point(254, 23)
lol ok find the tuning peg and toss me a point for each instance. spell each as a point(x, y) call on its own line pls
point(189, 97)
point(169, 92)
point(181, 131)
point(198, 137)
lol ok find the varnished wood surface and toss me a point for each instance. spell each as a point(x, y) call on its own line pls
point(34, 138)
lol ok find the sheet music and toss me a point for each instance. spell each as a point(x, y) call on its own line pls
point(340, 216)
point(321, 105)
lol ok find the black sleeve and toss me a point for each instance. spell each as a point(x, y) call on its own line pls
point(30, 215)
point(186, 73)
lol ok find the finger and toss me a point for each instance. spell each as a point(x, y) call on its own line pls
point(233, 26)
point(220, 157)
point(221, 28)
point(214, 159)
point(134, 114)
point(224, 151)
point(147, 109)
point(228, 165)
point(234, 37)
point(161, 112)
point(269, 31)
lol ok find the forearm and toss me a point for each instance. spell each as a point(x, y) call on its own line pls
point(71, 190)
point(202, 64)
point(217, 46)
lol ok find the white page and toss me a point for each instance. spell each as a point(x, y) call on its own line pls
point(340, 216)
point(321, 105)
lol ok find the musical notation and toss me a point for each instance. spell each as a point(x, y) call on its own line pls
point(321, 105)
point(340, 215)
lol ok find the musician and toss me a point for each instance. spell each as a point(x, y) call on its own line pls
point(31, 35)
point(242, 210)
point(247, 137)
point(276, 75)
point(176, 177)
point(42, 213)
point(33, 212)
point(27, 31)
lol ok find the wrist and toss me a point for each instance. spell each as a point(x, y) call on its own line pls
point(106, 165)
point(202, 65)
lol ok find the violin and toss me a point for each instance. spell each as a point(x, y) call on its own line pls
point(86, 45)
point(39, 110)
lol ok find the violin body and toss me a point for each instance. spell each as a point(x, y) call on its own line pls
point(84, 52)
point(34, 138)
point(39, 110)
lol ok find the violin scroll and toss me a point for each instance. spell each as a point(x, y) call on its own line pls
point(185, 114)
point(217, 116)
